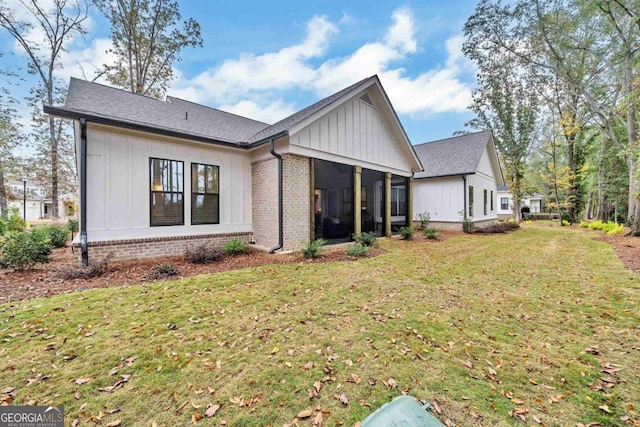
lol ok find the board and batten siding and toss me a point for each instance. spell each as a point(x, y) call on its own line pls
point(118, 184)
point(441, 198)
point(352, 133)
point(484, 179)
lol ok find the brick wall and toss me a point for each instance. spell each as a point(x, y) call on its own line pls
point(264, 202)
point(157, 246)
point(296, 200)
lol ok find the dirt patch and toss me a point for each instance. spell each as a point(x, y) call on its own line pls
point(42, 281)
point(627, 249)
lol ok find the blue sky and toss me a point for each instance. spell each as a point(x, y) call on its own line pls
point(266, 60)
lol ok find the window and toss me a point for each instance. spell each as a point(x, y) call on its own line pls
point(485, 202)
point(491, 200)
point(504, 203)
point(398, 200)
point(471, 200)
point(205, 194)
point(167, 192)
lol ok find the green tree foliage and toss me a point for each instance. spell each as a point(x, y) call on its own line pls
point(147, 39)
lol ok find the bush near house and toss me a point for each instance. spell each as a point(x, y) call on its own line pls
point(15, 224)
point(312, 249)
point(203, 254)
point(56, 234)
point(406, 233)
point(500, 227)
point(235, 247)
point(21, 251)
point(162, 271)
point(366, 239)
point(430, 233)
point(94, 269)
point(358, 250)
point(611, 227)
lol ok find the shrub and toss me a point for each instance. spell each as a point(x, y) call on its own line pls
point(528, 222)
point(366, 239)
point(72, 225)
point(56, 235)
point(162, 271)
point(94, 269)
point(584, 224)
point(406, 233)
point(596, 225)
point(566, 217)
point(424, 218)
point(612, 228)
point(3, 227)
point(235, 247)
point(468, 226)
point(511, 220)
point(23, 250)
point(203, 254)
point(430, 233)
point(312, 249)
point(358, 250)
point(565, 223)
point(15, 224)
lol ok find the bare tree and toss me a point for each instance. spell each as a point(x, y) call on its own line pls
point(57, 24)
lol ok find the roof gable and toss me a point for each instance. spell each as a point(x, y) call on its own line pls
point(459, 155)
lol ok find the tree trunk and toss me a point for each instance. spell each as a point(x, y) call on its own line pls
point(3, 195)
point(588, 207)
point(571, 190)
point(601, 207)
point(54, 169)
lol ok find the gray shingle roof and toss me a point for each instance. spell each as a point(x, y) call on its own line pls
point(296, 118)
point(458, 155)
point(173, 115)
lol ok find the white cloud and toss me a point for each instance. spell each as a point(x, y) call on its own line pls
point(263, 79)
point(85, 62)
point(262, 111)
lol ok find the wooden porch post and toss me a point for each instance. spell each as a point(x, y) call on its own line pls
point(312, 198)
point(387, 204)
point(357, 197)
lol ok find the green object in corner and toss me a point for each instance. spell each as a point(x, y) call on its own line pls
point(403, 411)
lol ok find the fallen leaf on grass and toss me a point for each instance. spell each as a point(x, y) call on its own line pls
point(342, 398)
point(113, 423)
point(468, 364)
point(211, 411)
point(605, 408)
point(317, 420)
point(81, 381)
point(196, 417)
point(305, 414)
point(437, 407)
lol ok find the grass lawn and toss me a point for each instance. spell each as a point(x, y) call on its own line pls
point(540, 324)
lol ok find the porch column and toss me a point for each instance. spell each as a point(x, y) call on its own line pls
point(312, 198)
point(387, 204)
point(357, 198)
point(410, 202)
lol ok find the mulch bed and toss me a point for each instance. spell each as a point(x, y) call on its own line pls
point(42, 281)
point(627, 249)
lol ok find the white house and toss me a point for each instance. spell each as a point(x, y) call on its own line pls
point(535, 203)
point(158, 176)
point(39, 205)
point(460, 177)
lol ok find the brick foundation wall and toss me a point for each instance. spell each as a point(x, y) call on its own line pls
point(157, 246)
point(264, 202)
point(296, 200)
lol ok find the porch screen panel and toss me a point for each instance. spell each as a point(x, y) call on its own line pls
point(205, 194)
point(167, 192)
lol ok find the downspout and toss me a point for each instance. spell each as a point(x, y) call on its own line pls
point(464, 197)
point(84, 246)
point(272, 149)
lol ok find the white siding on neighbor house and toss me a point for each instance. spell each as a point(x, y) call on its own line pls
point(118, 184)
point(352, 133)
point(509, 210)
point(480, 183)
point(441, 198)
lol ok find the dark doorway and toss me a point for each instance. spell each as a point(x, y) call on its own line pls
point(333, 201)
point(372, 202)
point(399, 202)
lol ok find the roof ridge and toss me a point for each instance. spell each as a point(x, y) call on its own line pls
point(169, 98)
point(118, 89)
point(451, 137)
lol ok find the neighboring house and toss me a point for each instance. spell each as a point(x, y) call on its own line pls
point(460, 176)
point(39, 205)
point(163, 175)
point(535, 203)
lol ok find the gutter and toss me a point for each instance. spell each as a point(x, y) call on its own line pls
point(272, 149)
point(464, 196)
point(84, 245)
